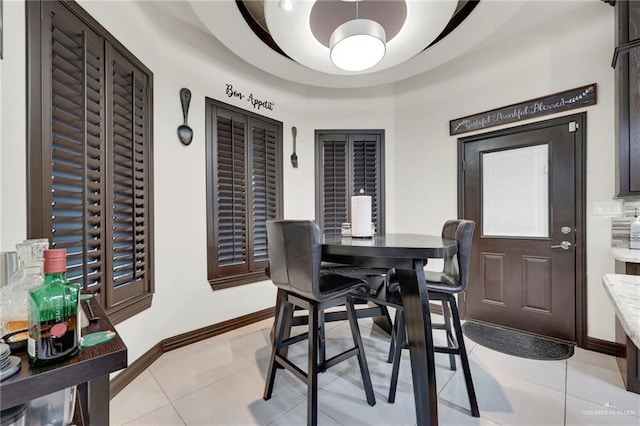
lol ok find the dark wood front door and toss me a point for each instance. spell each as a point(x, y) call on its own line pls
point(519, 185)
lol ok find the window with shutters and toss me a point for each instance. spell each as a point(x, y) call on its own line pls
point(346, 162)
point(244, 190)
point(89, 163)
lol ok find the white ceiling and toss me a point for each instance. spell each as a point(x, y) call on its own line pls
point(489, 23)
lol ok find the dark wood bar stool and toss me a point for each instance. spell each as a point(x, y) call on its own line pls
point(295, 252)
point(442, 286)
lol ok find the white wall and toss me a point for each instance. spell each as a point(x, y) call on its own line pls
point(573, 52)
point(414, 113)
point(183, 299)
point(13, 178)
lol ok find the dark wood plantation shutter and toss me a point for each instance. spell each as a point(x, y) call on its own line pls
point(244, 187)
point(366, 162)
point(90, 150)
point(345, 164)
point(264, 186)
point(231, 208)
point(335, 183)
point(128, 205)
point(76, 124)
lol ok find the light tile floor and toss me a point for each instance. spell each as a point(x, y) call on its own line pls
point(220, 381)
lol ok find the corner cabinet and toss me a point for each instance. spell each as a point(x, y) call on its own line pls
point(627, 73)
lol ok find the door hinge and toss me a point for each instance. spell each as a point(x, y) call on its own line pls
point(573, 126)
point(464, 166)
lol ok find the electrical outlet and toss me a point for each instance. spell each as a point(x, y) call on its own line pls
point(607, 208)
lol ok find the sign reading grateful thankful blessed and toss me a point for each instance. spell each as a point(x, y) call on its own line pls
point(255, 102)
point(562, 101)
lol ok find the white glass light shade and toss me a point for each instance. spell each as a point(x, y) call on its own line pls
point(357, 45)
point(286, 5)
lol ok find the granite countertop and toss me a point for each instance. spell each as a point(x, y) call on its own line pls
point(626, 255)
point(624, 293)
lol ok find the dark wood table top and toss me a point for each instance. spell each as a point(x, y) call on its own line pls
point(91, 362)
point(387, 250)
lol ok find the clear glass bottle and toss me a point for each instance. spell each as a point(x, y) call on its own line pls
point(14, 315)
point(53, 313)
point(14, 296)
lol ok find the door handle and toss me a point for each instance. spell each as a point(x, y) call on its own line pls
point(565, 245)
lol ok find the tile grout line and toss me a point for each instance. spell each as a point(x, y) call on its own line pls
point(566, 379)
point(285, 413)
point(167, 396)
point(156, 409)
point(250, 365)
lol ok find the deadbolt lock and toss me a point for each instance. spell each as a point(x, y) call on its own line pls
point(565, 230)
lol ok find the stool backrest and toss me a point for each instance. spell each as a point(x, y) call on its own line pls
point(295, 251)
point(456, 268)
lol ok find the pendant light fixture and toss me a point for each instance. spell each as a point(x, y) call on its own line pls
point(358, 44)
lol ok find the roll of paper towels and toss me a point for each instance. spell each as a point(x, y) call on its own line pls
point(361, 215)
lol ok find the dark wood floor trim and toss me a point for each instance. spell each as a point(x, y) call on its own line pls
point(139, 365)
point(127, 375)
point(194, 336)
point(605, 347)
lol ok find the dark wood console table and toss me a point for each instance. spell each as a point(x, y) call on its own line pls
point(408, 253)
point(89, 370)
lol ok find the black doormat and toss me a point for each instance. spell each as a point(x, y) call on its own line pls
point(514, 343)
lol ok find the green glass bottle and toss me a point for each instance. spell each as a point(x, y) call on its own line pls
point(53, 313)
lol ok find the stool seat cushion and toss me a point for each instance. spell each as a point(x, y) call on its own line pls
point(436, 281)
point(334, 285)
point(373, 277)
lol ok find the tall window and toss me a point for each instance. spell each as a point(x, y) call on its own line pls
point(89, 163)
point(244, 190)
point(346, 162)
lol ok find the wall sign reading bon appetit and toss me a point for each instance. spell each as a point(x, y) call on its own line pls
point(562, 101)
point(255, 102)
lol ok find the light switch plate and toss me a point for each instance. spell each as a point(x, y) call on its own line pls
point(607, 208)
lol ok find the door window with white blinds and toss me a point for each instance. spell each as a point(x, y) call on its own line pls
point(347, 162)
point(90, 142)
point(244, 191)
